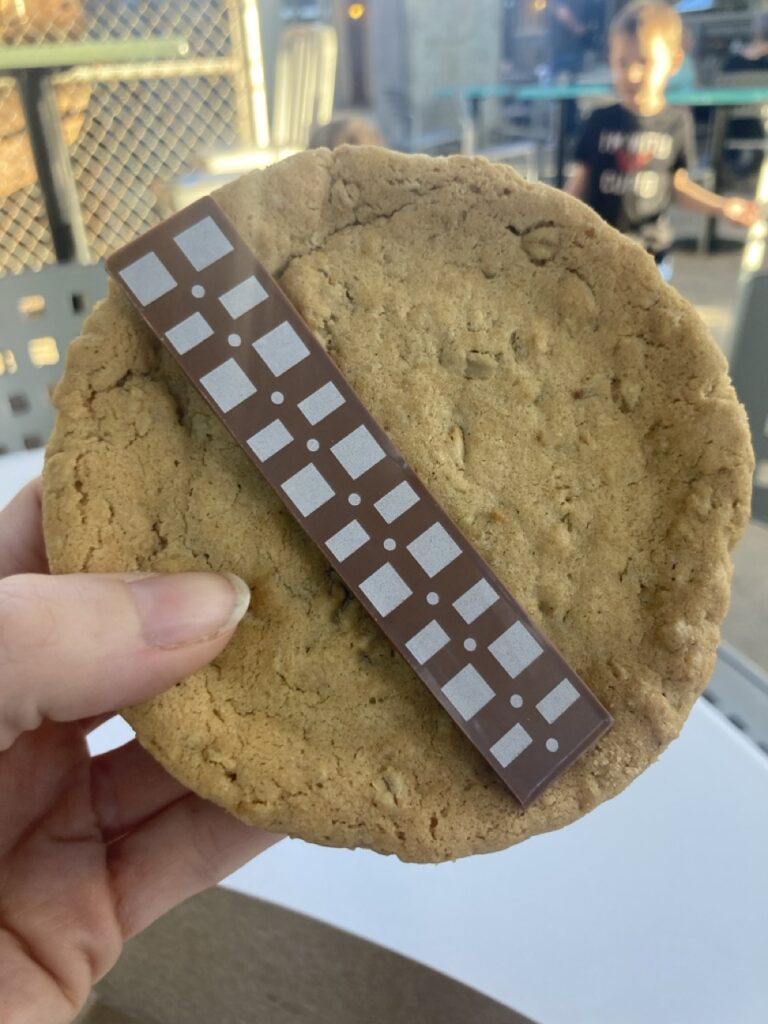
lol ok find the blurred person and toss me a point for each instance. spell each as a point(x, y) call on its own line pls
point(754, 56)
point(571, 31)
point(634, 156)
point(346, 131)
point(569, 35)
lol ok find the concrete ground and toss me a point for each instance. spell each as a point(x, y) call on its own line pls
point(711, 283)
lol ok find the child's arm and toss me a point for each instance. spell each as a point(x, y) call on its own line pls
point(578, 183)
point(564, 14)
point(693, 197)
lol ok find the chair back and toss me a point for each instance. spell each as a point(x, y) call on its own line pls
point(749, 372)
point(41, 312)
point(305, 83)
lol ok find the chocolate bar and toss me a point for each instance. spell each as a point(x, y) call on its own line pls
point(267, 377)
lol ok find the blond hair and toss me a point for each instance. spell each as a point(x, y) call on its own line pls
point(346, 131)
point(643, 18)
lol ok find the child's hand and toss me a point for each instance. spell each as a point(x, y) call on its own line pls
point(741, 211)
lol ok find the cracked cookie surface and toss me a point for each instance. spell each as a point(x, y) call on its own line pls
point(565, 406)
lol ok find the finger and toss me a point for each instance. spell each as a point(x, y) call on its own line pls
point(181, 851)
point(127, 787)
point(22, 548)
point(72, 647)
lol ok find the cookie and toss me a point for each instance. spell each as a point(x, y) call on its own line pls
point(566, 408)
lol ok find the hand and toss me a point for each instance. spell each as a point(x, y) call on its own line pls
point(92, 850)
point(564, 14)
point(741, 211)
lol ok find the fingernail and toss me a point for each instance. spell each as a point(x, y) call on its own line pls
point(182, 608)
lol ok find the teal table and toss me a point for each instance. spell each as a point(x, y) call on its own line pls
point(723, 99)
point(33, 67)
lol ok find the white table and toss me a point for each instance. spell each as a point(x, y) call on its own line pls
point(16, 470)
point(650, 909)
point(654, 908)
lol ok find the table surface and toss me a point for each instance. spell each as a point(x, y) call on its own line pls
point(652, 908)
point(725, 96)
point(28, 57)
point(16, 470)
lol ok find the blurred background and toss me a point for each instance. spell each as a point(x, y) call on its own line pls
point(115, 113)
point(256, 73)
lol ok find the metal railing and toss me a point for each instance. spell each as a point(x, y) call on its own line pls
point(127, 125)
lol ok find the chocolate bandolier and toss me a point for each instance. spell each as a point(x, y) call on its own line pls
point(267, 377)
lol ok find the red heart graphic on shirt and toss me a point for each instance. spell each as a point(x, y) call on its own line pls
point(630, 163)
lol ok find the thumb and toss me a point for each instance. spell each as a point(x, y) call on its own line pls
point(76, 646)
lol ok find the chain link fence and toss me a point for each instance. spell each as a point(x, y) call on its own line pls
point(129, 126)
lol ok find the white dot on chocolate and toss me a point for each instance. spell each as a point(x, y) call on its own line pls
point(552, 746)
point(354, 499)
point(390, 544)
point(198, 291)
point(516, 700)
point(470, 644)
point(432, 597)
point(277, 397)
point(313, 444)
point(234, 340)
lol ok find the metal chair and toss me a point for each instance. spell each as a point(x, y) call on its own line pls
point(42, 312)
point(749, 372)
point(305, 83)
point(758, 145)
point(718, 142)
point(739, 687)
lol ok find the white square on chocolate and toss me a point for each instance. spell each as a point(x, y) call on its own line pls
point(189, 333)
point(427, 642)
point(358, 452)
point(557, 701)
point(204, 243)
point(321, 403)
point(281, 348)
point(243, 297)
point(468, 692)
point(228, 385)
point(475, 601)
point(396, 502)
point(385, 589)
point(347, 541)
point(270, 440)
point(308, 489)
point(434, 549)
point(515, 649)
point(148, 278)
point(511, 745)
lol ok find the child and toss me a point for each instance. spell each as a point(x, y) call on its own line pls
point(346, 131)
point(633, 157)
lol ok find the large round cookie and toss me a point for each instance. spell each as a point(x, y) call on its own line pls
point(565, 406)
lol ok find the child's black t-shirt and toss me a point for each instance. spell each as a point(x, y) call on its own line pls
point(632, 160)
